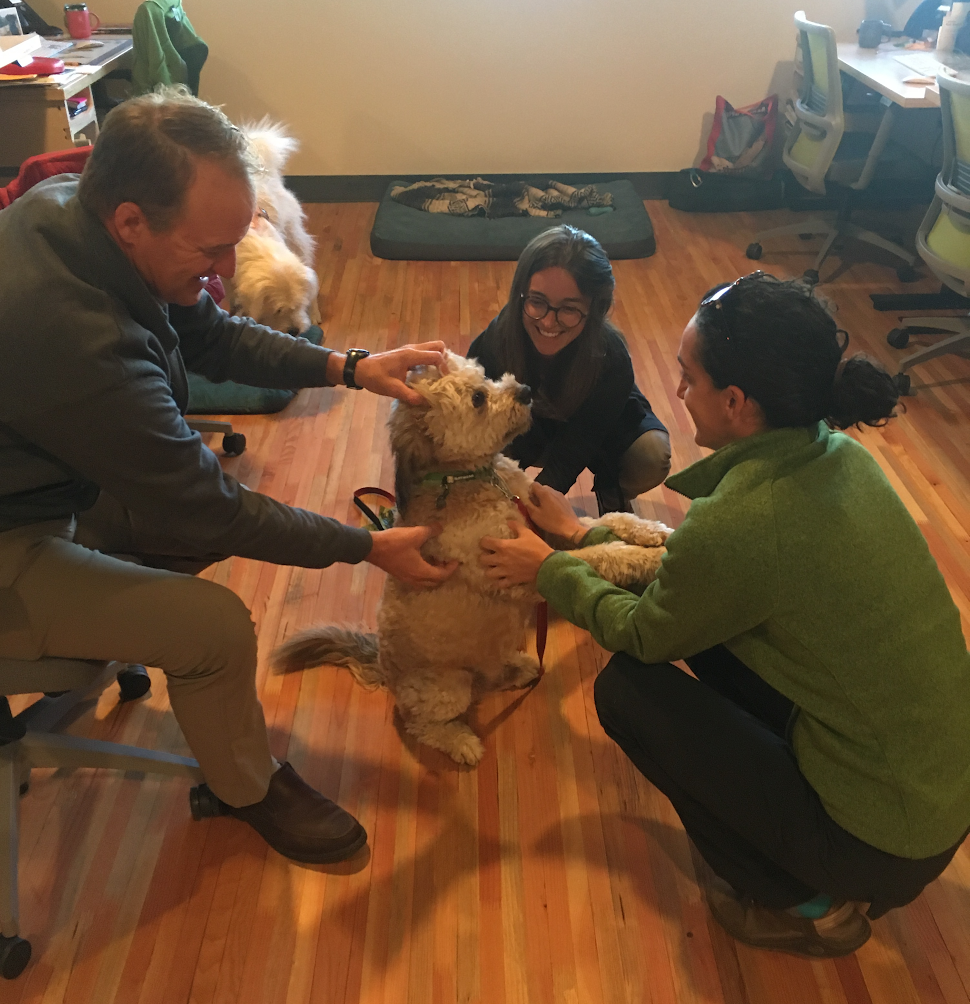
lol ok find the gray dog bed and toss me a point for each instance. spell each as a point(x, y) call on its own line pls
point(401, 232)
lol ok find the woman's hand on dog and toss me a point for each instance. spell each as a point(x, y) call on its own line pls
point(551, 511)
point(514, 562)
point(398, 552)
point(385, 372)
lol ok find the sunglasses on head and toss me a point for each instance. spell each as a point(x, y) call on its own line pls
point(718, 298)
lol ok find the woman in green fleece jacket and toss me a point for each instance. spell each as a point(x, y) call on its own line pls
point(819, 757)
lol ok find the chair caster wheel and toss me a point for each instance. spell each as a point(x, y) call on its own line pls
point(14, 956)
point(906, 273)
point(810, 275)
point(903, 384)
point(754, 251)
point(233, 444)
point(204, 803)
point(898, 338)
point(134, 682)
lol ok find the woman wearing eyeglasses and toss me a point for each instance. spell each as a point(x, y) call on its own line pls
point(587, 411)
point(819, 757)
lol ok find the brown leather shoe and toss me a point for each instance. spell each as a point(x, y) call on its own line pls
point(300, 823)
point(838, 932)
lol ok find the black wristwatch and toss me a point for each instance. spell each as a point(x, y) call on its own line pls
point(354, 356)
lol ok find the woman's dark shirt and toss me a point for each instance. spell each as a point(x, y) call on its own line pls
point(603, 427)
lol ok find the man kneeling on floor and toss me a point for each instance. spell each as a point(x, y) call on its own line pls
point(102, 310)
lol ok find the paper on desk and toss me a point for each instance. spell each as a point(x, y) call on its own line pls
point(924, 63)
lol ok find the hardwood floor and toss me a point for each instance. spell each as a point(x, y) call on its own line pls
point(553, 873)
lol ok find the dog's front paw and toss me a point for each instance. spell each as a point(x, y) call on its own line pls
point(625, 565)
point(632, 529)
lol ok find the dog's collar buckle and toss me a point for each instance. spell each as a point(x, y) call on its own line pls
point(447, 480)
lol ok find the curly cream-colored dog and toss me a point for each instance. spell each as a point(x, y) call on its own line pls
point(437, 651)
point(275, 281)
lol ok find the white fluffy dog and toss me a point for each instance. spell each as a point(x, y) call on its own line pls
point(275, 281)
point(438, 650)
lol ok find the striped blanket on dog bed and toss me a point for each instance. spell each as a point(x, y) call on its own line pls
point(478, 197)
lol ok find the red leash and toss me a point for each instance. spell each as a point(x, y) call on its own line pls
point(366, 509)
point(542, 607)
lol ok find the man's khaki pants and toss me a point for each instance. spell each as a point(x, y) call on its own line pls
point(63, 594)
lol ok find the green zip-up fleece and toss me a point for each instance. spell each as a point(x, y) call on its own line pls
point(166, 47)
point(799, 557)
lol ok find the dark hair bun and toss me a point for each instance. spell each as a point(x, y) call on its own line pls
point(863, 394)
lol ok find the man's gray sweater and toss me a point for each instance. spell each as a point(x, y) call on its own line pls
point(93, 390)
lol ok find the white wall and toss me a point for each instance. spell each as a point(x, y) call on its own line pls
point(495, 86)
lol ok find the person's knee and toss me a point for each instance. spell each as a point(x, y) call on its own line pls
point(611, 691)
point(645, 464)
point(214, 630)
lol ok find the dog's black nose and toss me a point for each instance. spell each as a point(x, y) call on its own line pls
point(293, 331)
point(524, 396)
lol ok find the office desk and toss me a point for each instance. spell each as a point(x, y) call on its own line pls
point(34, 114)
point(881, 71)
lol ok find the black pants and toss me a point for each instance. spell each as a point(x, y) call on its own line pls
point(716, 747)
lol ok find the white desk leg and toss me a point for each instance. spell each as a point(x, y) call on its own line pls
point(878, 145)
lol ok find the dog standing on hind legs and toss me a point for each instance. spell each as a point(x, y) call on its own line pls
point(438, 651)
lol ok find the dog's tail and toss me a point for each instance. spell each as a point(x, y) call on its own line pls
point(335, 646)
point(271, 143)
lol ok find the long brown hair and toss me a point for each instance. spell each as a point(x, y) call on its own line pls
point(568, 385)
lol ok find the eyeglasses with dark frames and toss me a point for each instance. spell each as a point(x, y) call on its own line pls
point(537, 307)
point(718, 298)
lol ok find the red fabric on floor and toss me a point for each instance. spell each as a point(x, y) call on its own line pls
point(44, 165)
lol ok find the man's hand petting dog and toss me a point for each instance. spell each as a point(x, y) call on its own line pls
point(398, 552)
point(384, 373)
point(514, 562)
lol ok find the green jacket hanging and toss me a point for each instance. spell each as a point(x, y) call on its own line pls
point(166, 47)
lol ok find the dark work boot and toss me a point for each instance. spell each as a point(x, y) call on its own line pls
point(300, 823)
point(609, 497)
point(839, 931)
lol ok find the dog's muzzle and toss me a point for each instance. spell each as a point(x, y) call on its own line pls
point(524, 394)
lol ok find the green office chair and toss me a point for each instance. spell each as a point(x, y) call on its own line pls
point(819, 149)
point(28, 740)
point(943, 240)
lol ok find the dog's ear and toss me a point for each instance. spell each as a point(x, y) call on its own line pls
point(413, 452)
